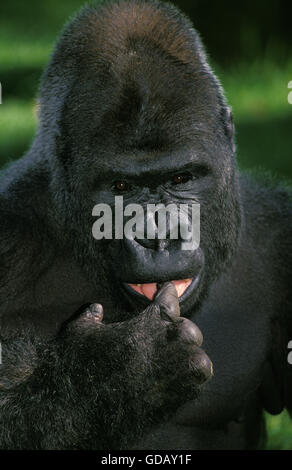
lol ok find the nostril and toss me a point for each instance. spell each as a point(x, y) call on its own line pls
point(155, 244)
point(150, 244)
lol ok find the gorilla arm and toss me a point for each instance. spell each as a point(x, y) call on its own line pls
point(276, 389)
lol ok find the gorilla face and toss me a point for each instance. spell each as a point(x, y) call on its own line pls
point(140, 264)
point(147, 122)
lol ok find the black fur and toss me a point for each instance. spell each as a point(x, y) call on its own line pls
point(128, 95)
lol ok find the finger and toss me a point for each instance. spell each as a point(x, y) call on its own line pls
point(94, 312)
point(202, 366)
point(167, 300)
point(190, 332)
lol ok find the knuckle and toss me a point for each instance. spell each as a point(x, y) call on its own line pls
point(190, 332)
point(201, 366)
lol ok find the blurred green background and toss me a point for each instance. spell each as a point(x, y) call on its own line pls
point(249, 46)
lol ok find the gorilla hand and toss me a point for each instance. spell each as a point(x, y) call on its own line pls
point(98, 385)
point(155, 361)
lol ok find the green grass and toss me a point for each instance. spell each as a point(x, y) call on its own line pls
point(259, 89)
point(279, 430)
point(17, 125)
point(257, 92)
point(258, 95)
point(15, 54)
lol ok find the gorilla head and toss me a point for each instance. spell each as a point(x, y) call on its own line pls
point(129, 106)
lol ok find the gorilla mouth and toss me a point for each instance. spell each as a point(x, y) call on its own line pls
point(149, 290)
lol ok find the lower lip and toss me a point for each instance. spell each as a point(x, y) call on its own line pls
point(194, 284)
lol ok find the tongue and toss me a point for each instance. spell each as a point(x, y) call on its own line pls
point(149, 290)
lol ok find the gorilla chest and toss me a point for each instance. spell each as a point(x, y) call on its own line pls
point(236, 326)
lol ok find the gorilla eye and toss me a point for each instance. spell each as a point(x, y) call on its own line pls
point(121, 186)
point(179, 179)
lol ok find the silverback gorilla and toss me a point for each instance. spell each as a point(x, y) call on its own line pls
point(129, 106)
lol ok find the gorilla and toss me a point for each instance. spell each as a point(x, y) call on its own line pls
point(99, 345)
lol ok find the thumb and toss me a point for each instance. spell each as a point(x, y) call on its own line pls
point(167, 300)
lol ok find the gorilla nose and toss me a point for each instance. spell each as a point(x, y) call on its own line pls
point(143, 265)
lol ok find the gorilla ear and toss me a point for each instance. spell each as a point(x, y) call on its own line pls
point(229, 126)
